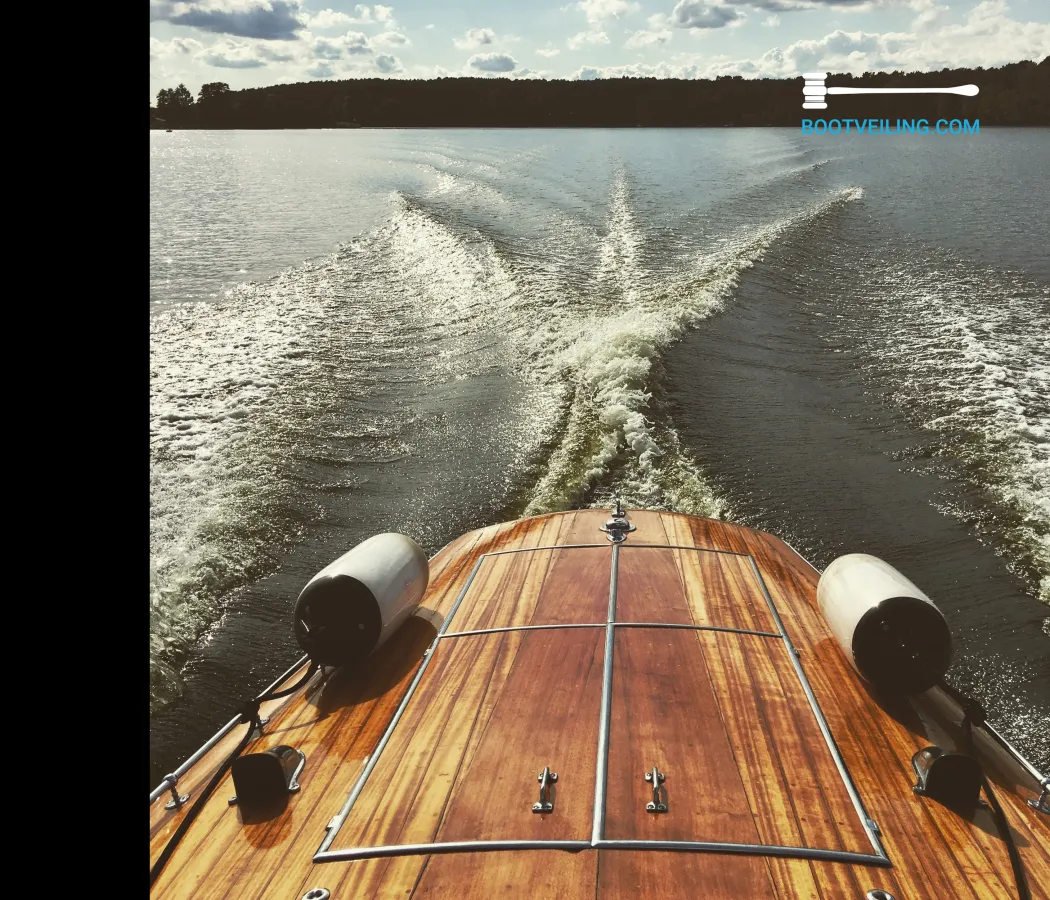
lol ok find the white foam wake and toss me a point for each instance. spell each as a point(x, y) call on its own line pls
point(604, 358)
point(973, 368)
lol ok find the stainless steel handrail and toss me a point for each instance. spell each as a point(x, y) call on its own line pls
point(601, 774)
point(167, 784)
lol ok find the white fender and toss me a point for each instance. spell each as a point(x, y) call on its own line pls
point(890, 631)
point(353, 605)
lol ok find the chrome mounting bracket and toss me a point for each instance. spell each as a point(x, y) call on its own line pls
point(177, 799)
point(1043, 803)
point(617, 528)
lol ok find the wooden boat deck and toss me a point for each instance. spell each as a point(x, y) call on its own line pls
point(701, 683)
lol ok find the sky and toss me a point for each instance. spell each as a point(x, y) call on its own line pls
point(253, 43)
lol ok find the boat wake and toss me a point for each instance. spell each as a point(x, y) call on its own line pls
point(617, 437)
point(502, 375)
point(962, 351)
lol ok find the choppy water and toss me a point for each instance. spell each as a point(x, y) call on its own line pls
point(839, 340)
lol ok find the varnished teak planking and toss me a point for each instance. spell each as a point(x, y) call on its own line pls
point(721, 713)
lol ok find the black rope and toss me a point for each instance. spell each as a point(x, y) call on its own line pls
point(1004, 827)
point(250, 715)
point(975, 714)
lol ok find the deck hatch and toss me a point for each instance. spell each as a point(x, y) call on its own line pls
point(600, 631)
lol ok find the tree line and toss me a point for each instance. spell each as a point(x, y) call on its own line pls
point(1014, 94)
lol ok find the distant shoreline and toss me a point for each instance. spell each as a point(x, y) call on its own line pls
point(1011, 95)
point(514, 127)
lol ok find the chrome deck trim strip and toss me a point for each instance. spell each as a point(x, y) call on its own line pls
point(389, 850)
point(684, 547)
point(747, 850)
point(624, 544)
point(165, 785)
point(549, 547)
point(601, 774)
point(454, 634)
point(447, 847)
point(335, 824)
point(800, 556)
point(771, 634)
point(869, 825)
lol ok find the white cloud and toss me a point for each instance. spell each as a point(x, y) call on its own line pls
point(390, 39)
point(363, 15)
point(388, 64)
point(273, 20)
point(597, 11)
point(648, 38)
point(475, 37)
point(703, 15)
point(548, 51)
point(587, 37)
point(837, 5)
point(929, 13)
point(353, 43)
point(328, 18)
point(321, 70)
point(230, 54)
point(771, 21)
point(429, 27)
point(327, 49)
point(988, 37)
point(176, 47)
point(493, 62)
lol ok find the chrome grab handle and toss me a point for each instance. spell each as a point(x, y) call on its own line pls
point(656, 778)
point(546, 802)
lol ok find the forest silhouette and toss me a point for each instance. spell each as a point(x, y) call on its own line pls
point(1014, 94)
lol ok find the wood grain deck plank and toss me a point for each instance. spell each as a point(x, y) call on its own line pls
point(721, 589)
point(504, 592)
point(649, 588)
point(546, 715)
point(936, 853)
point(732, 595)
point(665, 714)
point(405, 795)
point(649, 525)
point(354, 727)
point(629, 874)
point(794, 790)
point(576, 590)
point(866, 738)
point(546, 708)
point(772, 708)
point(541, 875)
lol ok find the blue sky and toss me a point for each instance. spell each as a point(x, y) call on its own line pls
point(250, 43)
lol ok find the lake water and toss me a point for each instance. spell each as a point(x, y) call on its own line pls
point(841, 340)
